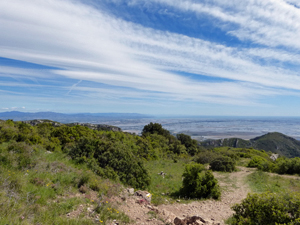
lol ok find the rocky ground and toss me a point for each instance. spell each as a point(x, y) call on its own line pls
point(133, 204)
point(234, 190)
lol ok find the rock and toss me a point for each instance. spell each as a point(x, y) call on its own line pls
point(150, 207)
point(194, 220)
point(155, 209)
point(144, 194)
point(89, 209)
point(162, 174)
point(274, 156)
point(130, 191)
point(178, 221)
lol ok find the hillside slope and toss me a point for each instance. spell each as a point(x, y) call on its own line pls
point(274, 142)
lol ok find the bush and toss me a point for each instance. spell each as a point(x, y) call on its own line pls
point(256, 162)
point(205, 157)
point(111, 159)
point(287, 166)
point(223, 163)
point(199, 183)
point(189, 143)
point(268, 208)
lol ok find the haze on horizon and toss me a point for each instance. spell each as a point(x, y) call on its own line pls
point(181, 57)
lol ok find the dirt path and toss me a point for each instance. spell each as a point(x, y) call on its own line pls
point(234, 190)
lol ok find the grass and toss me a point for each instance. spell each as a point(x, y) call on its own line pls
point(229, 182)
point(261, 182)
point(40, 190)
point(243, 162)
point(162, 188)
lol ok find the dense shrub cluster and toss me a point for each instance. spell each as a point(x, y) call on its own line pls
point(112, 160)
point(223, 163)
point(261, 163)
point(199, 183)
point(268, 209)
point(110, 154)
point(189, 143)
point(206, 157)
point(282, 165)
point(287, 166)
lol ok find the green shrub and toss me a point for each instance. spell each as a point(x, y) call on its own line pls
point(155, 128)
point(20, 155)
point(205, 157)
point(223, 163)
point(287, 166)
point(199, 183)
point(189, 143)
point(111, 158)
point(256, 162)
point(268, 209)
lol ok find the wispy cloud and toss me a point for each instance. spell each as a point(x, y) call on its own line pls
point(88, 44)
point(13, 108)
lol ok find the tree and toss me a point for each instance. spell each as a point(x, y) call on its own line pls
point(189, 143)
point(155, 128)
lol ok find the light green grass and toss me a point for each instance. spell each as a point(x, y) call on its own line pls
point(261, 182)
point(168, 185)
point(39, 193)
point(229, 183)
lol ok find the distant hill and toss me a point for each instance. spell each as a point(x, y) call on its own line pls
point(89, 125)
point(71, 118)
point(274, 142)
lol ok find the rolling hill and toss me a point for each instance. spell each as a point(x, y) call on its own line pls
point(274, 142)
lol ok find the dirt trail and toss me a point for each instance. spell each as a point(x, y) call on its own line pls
point(234, 190)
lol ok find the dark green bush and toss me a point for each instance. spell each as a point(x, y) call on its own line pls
point(205, 157)
point(256, 161)
point(114, 158)
point(287, 166)
point(199, 183)
point(155, 128)
point(223, 163)
point(189, 143)
point(268, 209)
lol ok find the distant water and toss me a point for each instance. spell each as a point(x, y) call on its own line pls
point(202, 128)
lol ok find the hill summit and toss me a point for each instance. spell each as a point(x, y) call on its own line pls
point(274, 142)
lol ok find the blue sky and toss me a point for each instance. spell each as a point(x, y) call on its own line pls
point(172, 57)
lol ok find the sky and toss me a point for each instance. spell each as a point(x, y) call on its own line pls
point(159, 57)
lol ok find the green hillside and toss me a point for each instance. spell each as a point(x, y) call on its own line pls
point(274, 142)
point(277, 143)
point(54, 173)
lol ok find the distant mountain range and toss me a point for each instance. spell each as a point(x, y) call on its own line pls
point(274, 142)
point(71, 118)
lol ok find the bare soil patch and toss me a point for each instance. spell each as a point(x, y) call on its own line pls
point(234, 190)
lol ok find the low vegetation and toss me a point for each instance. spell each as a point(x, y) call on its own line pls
point(274, 142)
point(268, 209)
point(46, 169)
point(199, 183)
